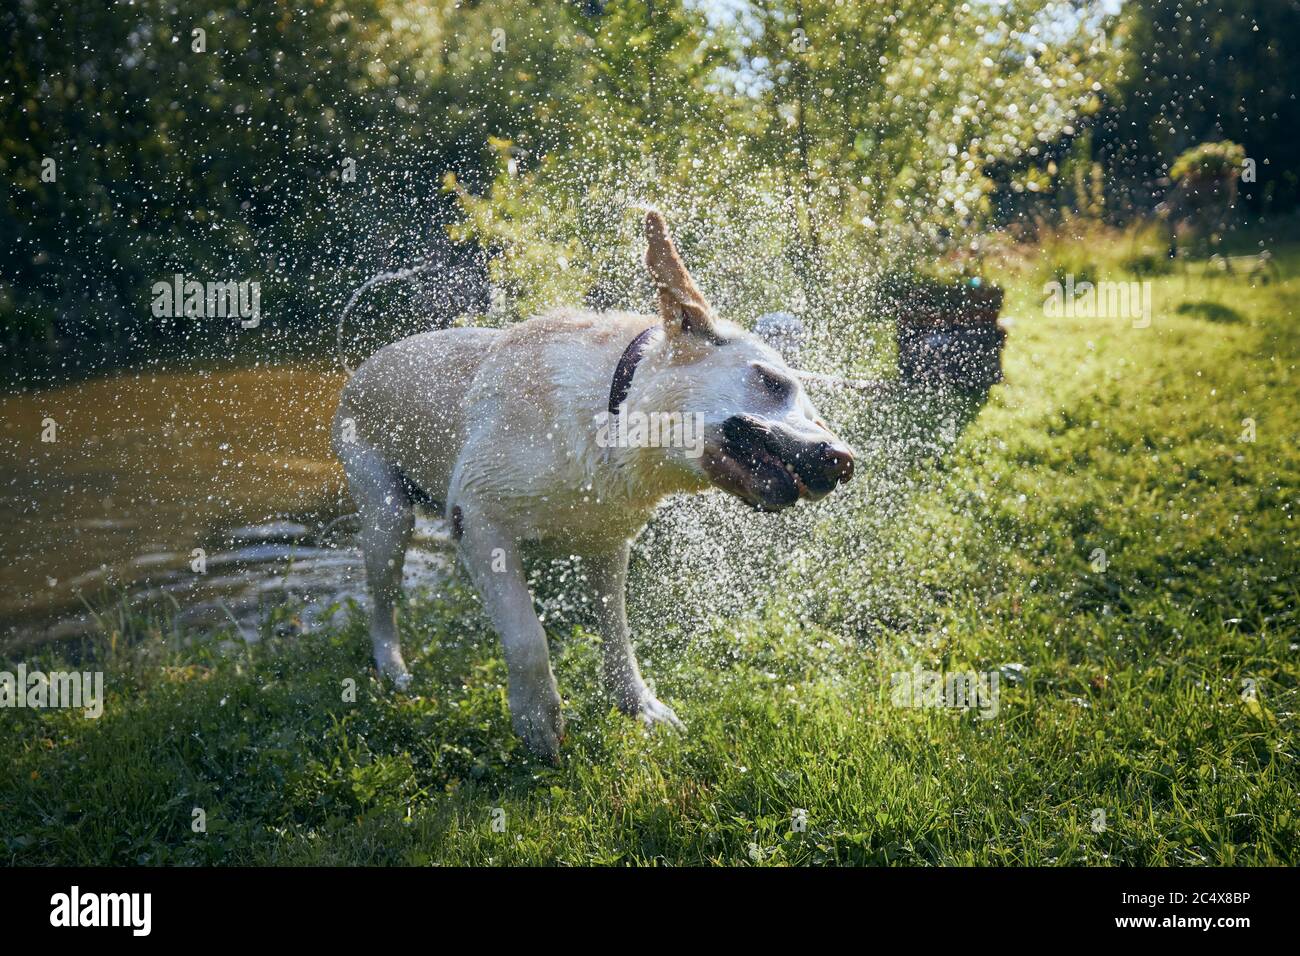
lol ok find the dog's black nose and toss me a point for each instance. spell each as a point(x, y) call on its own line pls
point(837, 460)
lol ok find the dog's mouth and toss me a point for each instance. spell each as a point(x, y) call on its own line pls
point(769, 467)
point(760, 478)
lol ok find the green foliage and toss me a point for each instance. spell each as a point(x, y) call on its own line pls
point(1202, 72)
point(819, 144)
point(650, 128)
point(835, 140)
point(906, 107)
point(539, 262)
point(1209, 161)
point(230, 162)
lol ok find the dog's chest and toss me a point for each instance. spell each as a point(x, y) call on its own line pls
point(579, 517)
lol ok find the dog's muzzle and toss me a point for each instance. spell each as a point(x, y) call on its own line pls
point(771, 466)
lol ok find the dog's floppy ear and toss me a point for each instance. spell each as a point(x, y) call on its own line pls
point(681, 305)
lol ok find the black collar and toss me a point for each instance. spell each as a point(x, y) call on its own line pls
point(626, 368)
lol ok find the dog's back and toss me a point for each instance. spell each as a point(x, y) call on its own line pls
point(407, 401)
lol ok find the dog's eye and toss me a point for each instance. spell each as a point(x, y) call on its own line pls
point(773, 382)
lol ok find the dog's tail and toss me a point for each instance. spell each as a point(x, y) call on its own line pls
point(374, 280)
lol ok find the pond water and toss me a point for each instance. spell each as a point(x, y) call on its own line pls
point(109, 485)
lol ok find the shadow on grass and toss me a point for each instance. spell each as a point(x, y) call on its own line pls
point(1209, 311)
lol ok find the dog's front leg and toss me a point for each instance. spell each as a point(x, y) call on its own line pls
point(607, 574)
point(492, 559)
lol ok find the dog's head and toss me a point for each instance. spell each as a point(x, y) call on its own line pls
point(763, 439)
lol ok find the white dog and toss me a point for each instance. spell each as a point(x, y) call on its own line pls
point(508, 432)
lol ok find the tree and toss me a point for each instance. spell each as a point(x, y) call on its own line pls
point(302, 146)
point(1202, 70)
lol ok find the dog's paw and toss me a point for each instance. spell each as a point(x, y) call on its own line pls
point(653, 712)
point(536, 718)
point(397, 675)
point(391, 666)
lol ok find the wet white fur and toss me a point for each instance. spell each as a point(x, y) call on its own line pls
point(501, 426)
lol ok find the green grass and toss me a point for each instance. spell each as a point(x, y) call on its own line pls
point(1125, 693)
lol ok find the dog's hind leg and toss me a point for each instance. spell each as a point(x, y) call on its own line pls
point(607, 574)
point(386, 523)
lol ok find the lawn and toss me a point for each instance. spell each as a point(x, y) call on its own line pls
point(1100, 536)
